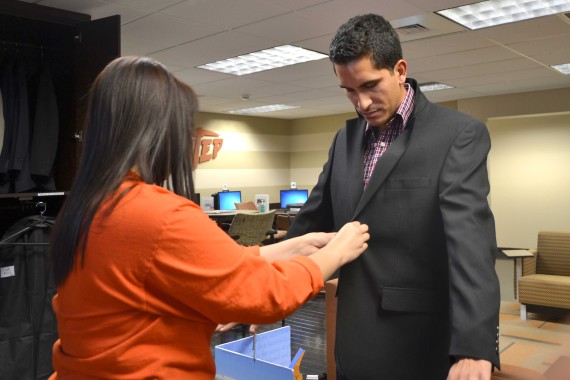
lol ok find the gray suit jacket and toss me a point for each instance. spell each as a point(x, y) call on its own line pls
point(426, 289)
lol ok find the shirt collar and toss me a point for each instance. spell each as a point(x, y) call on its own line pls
point(403, 112)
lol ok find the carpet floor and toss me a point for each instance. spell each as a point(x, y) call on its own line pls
point(542, 343)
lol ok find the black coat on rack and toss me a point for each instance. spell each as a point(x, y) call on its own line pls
point(77, 48)
point(28, 327)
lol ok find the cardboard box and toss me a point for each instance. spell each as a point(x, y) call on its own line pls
point(234, 360)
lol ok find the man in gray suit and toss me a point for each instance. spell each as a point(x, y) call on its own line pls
point(423, 301)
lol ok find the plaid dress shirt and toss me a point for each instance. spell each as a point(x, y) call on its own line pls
point(378, 140)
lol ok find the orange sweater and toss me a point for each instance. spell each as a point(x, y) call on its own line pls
point(157, 278)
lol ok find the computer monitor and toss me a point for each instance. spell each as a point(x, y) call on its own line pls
point(293, 196)
point(224, 200)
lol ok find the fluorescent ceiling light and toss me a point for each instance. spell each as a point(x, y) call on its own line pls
point(564, 68)
point(261, 109)
point(497, 12)
point(267, 59)
point(434, 86)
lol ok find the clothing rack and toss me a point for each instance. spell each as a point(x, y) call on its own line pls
point(28, 321)
point(25, 45)
point(26, 206)
point(40, 222)
point(15, 206)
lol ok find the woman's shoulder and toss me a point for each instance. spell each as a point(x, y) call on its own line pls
point(145, 204)
point(160, 199)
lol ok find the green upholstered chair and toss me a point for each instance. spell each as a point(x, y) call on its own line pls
point(252, 228)
point(545, 279)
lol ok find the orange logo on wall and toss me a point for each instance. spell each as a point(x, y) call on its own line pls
point(206, 146)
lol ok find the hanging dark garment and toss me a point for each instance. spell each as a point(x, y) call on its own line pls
point(21, 153)
point(28, 327)
point(8, 84)
point(14, 159)
point(1, 120)
point(45, 133)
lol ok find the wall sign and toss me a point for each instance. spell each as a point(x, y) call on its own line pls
point(207, 144)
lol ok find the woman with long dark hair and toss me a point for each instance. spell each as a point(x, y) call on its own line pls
point(143, 275)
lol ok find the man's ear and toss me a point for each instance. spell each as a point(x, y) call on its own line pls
point(401, 69)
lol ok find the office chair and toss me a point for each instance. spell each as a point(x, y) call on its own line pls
point(252, 229)
point(249, 205)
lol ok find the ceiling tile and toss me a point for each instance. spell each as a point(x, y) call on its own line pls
point(445, 44)
point(157, 32)
point(234, 87)
point(224, 14)
point(292, 5)
point(213, 48)
point(528, 30)
point(529, 85)
point(286, 28)
point(542, 46)
point(437, 5)
point(320, 44)
point(144, 5)
point(295, 72)
point(185, 33)
point(335, 13)
point(481, 70)
point(318, 81)
point(194, 76)
point(464, 58)
point(556, 58)
point(97, 9)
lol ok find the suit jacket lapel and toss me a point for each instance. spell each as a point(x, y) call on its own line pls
point(355, 159)
point(384, 166)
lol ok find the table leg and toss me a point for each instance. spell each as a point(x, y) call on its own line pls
point(518, 275)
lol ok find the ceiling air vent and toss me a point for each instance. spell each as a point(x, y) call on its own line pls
point(412, 29)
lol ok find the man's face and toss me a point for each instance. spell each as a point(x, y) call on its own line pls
point(376, 94)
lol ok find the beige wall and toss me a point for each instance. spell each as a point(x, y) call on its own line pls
point(526, 103)
point(254, 157)
point(311, 139)
point(529, 170)
point(263, 155)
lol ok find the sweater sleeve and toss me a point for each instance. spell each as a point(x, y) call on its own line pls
point(198, 271)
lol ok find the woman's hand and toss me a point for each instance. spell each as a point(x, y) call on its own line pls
point(300, 246)
point(312, 242)
point(349, 243)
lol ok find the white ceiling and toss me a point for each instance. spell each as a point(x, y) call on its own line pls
point(185, 33)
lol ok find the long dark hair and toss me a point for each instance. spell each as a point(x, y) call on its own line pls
point(139, 116)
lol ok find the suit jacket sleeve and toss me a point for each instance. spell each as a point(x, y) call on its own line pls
point(471, 244)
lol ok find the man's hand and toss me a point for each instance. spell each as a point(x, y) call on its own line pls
point(470, 369)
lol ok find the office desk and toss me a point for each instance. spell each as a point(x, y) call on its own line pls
point(225, 216)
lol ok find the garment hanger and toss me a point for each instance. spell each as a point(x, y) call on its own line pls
point(40, 223)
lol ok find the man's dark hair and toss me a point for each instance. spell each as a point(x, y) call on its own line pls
point(367, 35)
